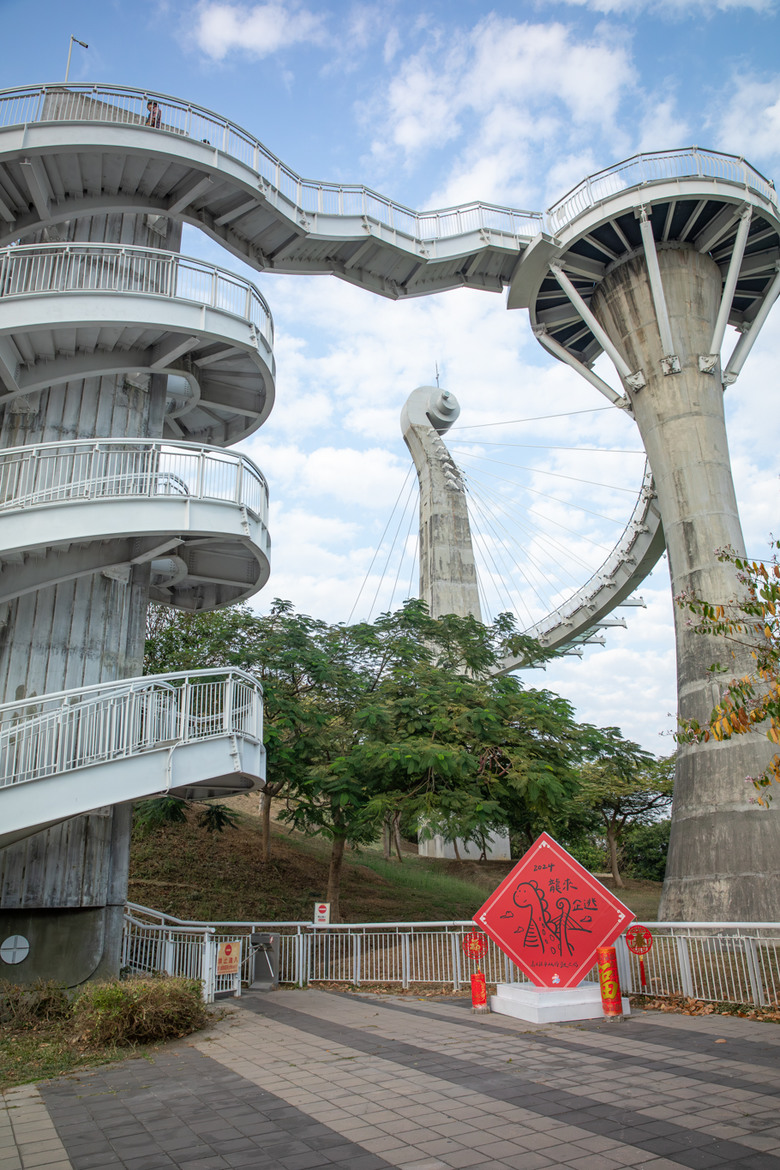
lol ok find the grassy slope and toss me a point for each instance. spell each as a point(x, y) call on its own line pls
point(187, 872)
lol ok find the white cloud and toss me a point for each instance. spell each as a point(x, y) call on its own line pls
point(673, 8)
point(258, 30)
point(748, 122)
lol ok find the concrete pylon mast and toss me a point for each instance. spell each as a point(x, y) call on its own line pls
point(648, 263)
point(448, 575)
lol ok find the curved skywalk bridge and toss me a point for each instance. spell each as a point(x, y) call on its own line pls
point(193, 734)
point(198, 514)
point(577, 621)
point(71, 151)
point(81, 310)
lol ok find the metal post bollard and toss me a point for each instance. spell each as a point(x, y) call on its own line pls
point(265, 951)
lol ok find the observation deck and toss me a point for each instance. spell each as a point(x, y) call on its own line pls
point(715, 204)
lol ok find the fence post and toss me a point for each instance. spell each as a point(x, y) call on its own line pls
point(169, 954)
point(624, 965)
point(754, 972)
point(356, 972)
point(455, 959)
point(207, 965)
point(404, 960)
point(684, 964)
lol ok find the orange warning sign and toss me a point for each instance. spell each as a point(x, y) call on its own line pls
point(228, 958)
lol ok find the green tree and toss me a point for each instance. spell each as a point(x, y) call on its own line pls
point(749, 626)
point(645, 848)
point(396, 716)
point(623, 785)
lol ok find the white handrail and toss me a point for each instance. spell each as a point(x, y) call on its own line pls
point(660, 166)
point(115, 104)
point(92, 469)
point(59, 732)
point(51, 269)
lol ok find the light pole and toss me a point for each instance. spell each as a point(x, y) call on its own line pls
point(83, 44)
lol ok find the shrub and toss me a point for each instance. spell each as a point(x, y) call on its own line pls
point(26, 1007)
point(138, 1011)
point(216, 817)
point(149, 815)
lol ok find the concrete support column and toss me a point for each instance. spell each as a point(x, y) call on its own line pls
point(64, 889)
point(724, 855)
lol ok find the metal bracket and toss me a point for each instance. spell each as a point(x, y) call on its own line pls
point(708, 362)
point(670, 364)
point(637, 380)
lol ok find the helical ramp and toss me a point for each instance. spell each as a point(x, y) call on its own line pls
point(194, 513)
point(81, 171)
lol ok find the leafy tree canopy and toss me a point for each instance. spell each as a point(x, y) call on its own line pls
point(747, 625)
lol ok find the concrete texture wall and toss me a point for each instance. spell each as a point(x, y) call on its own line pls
point(724, 855)
point(65, 889)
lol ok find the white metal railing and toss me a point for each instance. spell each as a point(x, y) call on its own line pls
point(59, 732)
point(619, 567)
point(96, 469)
point(108, 103)
point(658, 167)
point(37, 269)
point(720, 961)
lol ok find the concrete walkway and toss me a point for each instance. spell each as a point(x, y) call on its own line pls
point(308, 1079)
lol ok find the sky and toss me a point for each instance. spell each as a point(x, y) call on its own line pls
point(434, 104)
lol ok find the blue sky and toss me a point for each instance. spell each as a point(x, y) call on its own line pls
point(435, 104)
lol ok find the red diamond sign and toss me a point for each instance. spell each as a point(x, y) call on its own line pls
point(550, 916)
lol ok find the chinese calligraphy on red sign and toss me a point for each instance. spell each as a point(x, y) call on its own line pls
point(550, 916)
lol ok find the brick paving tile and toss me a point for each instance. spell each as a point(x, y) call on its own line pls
point(317, 1080)
point(529, 1162)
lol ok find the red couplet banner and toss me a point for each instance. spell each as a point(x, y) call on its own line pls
point(550, 916)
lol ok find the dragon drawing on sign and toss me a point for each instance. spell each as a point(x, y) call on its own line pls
point(539, 928)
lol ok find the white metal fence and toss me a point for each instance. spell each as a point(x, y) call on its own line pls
point(37, 269)
point(92, 469)
point(107, 103)
point(721, 961)
point(91, 725)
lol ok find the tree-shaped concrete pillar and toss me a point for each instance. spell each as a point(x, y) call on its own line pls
point(651, 274)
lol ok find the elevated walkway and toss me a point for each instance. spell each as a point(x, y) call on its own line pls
point(193, 734)
point(83, 149)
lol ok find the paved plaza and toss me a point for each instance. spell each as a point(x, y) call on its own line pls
point(308, 1079)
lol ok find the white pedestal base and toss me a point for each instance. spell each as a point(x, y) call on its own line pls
point(540, 1005)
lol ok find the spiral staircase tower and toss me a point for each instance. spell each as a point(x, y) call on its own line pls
point(126, 370)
